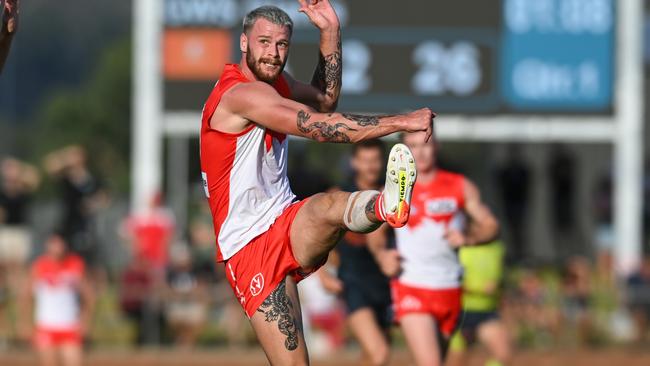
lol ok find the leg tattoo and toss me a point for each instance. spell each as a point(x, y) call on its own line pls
point(370, 209)
point(278, 306)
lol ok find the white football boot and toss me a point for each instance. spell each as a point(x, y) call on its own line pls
point(394, 203)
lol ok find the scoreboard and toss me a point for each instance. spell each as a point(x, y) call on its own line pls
point(461, 56)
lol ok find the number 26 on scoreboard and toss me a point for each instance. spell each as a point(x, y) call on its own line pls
point(441, 69)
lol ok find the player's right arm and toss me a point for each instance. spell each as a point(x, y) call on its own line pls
point(258, 102)
point(8, 26)
point(483, 226)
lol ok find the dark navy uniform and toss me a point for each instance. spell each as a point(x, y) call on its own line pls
point(364, 285)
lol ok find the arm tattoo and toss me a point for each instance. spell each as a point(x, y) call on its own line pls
point(323, 131)
point(365, 120)
point(362, 120)
point(328, 74)
point(278, 307)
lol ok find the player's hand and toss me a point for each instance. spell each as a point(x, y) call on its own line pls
point(421, 120)
point(321, 13)
point(332, 284)
point(390, 262)
point(455, 238)
point(10, 17)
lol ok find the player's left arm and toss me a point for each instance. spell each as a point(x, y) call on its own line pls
point(482, 226)
point(323, 92)
point(8, 27)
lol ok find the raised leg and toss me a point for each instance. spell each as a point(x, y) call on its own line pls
point(321, 221)
point(319, 225)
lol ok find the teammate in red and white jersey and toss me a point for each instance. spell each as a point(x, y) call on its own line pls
point(62, 302)
point(426, 272)
point(268, 241)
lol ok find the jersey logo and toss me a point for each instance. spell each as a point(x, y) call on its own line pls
point(204, 178)
point(441, 206)
point(257, 284)
point(410, 303)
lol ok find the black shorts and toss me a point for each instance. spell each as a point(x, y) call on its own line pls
point(471, 320)
point(378, 300)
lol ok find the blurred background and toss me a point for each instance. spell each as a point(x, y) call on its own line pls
point(541, 102)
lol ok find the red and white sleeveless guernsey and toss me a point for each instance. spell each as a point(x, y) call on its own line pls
point(428, 259)
point(244, 174)
point(56, 285)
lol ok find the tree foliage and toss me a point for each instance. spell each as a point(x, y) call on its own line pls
point(96, 115)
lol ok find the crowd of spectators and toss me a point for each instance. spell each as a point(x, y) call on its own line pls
point(169, 290)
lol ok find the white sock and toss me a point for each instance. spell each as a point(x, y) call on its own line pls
point(355, 217)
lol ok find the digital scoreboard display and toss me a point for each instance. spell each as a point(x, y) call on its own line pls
point(461, 56)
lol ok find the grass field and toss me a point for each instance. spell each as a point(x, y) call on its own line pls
point(609, 357)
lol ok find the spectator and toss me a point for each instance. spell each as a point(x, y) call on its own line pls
point(533, 309)
point(136, 289)
point(639, 299)
point(185, 298)
point(18, 181)
point(150, 233)
point(576, 297)
point(82, 196)
point(202, 241)
point(60, 320)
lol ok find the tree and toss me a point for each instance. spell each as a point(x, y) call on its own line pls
point(97, 115)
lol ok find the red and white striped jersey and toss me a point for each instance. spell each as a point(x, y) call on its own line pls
point(244, 174)
point(56, 286)
point(428, 259)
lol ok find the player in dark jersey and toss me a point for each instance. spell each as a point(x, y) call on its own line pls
point(362, 286)
point(8, 27)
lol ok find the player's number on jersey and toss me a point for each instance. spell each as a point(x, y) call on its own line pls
point(444, 69)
